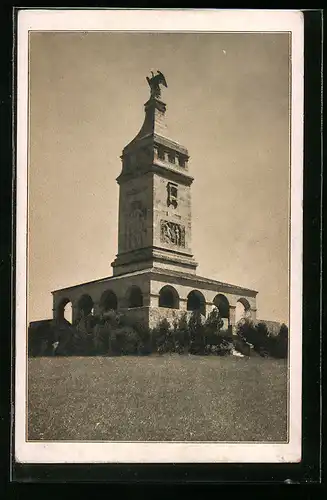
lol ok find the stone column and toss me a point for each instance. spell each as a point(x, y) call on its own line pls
point(55, 307)
point(55, 313)
point(74, 312)
point(183, 304)
point(153, 300)
point(253, 314)
point(232, 319)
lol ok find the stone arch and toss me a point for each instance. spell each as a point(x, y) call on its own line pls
point(222, 304)
point(243, 309)
point(134, 297)
point(85, 305)
point(168, 297)
point(108, 301)
point(196, 302)
point(65, 310)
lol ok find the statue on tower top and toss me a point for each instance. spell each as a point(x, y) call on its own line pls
point(154, 82)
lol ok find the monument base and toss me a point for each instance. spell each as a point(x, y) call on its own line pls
point(148, 295)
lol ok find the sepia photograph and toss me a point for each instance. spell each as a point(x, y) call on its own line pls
point(159, 277)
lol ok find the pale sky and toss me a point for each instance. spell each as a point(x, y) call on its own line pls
point(227, 102)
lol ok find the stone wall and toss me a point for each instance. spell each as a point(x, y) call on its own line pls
point(156, 314)
point(137, 315)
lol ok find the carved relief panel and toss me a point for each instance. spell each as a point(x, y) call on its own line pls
point(172, 233)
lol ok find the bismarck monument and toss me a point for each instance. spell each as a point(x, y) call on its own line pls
point(154, 272)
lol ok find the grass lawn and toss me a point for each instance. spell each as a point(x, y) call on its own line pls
point(168, 398)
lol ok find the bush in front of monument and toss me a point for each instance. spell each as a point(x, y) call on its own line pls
point(283, 339)
point(192, 335)
point(207, 336)
point(101, 337)
point(261, 340)
point(114, 335)
point(103, 333)
point(223, 348)
point(181, 334)
point(255, 335)
point(40, 340)
point(144, 338)
point(124, 341)
point(197, 333)
point(279, 343)
point(162, 337)
point(218, 341)
point(117, 334)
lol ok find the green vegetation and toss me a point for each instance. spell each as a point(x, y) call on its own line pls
point(264, 343)
point(113, 334)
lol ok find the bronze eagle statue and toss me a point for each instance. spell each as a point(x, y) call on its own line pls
point(154, 82)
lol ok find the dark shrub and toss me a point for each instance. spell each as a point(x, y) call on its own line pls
point(257, 335)
point(218, 341)
point(263, 343)
point(283, 339)
point(41, 339)
point(197, 333)
point(262, 330)
point(225, 333)
point(212, 328)
point(125, 341)
point(224, 344)
point(115, 319)
point(280, 347)
point(181, 334)
point(112, 335)
point(161, 336)
point(37, 343)
point(81, 341)
point(242, 346)
point(64, 335)
point(102, 337)
point(144, 335)
point(224, 347)
point(246, 330)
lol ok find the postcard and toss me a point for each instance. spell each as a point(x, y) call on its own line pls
point(159, 236)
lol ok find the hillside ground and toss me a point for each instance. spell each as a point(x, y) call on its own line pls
point(162, 398)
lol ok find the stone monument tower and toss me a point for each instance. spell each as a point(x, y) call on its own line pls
point(154, 272)
point(154, 200)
